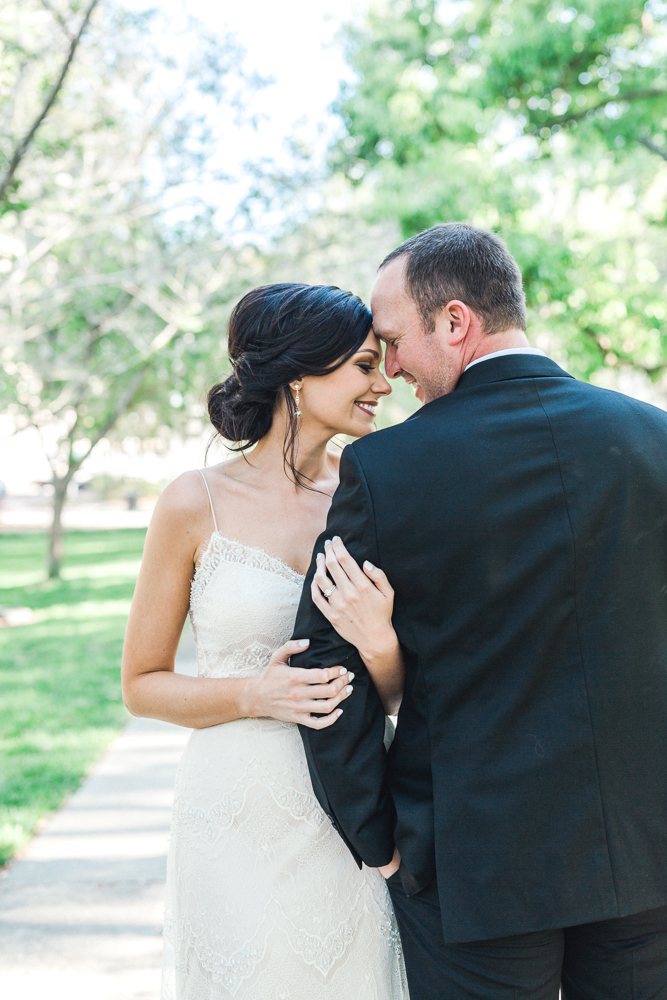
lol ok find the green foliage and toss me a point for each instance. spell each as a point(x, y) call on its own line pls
point(545, 122)
point(60, 677)
point(107, 306)
point(114, 283)
point(458, 71)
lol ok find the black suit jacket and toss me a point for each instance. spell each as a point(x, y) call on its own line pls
point(522, 520)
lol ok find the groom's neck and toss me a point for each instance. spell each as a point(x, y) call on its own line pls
point(489, 343)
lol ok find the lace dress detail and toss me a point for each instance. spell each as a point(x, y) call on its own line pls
point(264, 901)
point(220, 547)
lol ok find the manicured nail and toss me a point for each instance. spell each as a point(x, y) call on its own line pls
point(343, 670)
point(351, 676)
point(336, 538)
point(349, 689)
point(340, 711)
point(368, 565)
point(328, 541)
point(320, 555)
point(303, 642)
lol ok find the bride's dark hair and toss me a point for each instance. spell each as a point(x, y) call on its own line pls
point(278, 334)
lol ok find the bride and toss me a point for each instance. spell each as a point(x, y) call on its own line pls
point(264, 901)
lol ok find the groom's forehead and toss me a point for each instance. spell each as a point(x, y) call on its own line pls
point(390, 301)
point(391, 278)
point(389, 291)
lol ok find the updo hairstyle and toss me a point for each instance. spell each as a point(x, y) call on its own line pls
point(278, 334)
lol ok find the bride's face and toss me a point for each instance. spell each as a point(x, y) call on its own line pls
point(346, 401)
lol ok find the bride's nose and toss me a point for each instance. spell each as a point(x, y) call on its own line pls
point(381, 386)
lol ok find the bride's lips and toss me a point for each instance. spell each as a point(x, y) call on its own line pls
point(366, 405)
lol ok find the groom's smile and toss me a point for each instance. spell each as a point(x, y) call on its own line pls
point(411, 380)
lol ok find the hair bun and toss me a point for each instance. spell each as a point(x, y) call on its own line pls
point(240, 412)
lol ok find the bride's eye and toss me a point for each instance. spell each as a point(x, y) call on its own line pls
point(365, 367)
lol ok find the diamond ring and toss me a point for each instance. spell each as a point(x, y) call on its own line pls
point(329, 592)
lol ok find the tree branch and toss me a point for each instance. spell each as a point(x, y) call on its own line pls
point(59, 18)
point(653, 147)
point(122, 403)
point(22, 147)
point(126, 397)
point(97, 329)
point(632, 95)
point(150, 299)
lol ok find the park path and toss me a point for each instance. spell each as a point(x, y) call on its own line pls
point(81, 910)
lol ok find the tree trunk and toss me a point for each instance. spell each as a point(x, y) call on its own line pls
point(60, 484)
point(56, 532)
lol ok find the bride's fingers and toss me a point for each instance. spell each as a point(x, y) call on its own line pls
point(324, 683)
point(334, 568)
point(346, 561)
point(320, 578)
point(326, 606)
point(325, 692)
point(317, 588)
point(291, 648)
point(379, 578)
point(312, 722)
point(325, 706)
point(320, 675)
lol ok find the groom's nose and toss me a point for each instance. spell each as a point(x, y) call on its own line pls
point(391, 366)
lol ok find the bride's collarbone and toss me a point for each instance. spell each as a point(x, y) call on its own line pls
point(271, 517)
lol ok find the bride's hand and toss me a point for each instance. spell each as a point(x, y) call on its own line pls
point(360, 602)
point(292, 694)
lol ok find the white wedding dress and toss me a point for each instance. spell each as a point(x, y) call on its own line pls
point(264, 901)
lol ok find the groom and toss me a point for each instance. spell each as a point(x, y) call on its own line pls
point(521, 517)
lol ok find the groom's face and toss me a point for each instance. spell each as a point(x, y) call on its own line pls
point(424, 359)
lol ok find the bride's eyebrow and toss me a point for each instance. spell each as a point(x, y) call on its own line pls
point(367, 350)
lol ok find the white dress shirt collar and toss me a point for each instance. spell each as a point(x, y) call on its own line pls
point(508, 350)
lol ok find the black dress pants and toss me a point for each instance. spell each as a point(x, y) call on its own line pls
point(620, 959)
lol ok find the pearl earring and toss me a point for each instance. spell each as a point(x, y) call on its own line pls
point(298, 411)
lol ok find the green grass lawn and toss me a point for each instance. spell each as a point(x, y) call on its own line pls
point(60, 700)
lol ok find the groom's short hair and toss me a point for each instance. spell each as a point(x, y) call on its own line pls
point(456, 261)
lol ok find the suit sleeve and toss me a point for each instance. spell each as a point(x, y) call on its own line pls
point(347, 760)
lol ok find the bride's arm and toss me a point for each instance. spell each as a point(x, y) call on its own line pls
point(360, 609)
point(153, 690)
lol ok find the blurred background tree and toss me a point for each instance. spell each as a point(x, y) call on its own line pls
point(113, 279)
point(546, 122)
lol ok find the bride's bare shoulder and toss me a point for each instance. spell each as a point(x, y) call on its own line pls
point(186, 499)
point(183, 501)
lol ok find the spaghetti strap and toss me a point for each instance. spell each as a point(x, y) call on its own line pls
point(210, 499)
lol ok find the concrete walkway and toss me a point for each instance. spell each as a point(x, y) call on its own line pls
point(81, 910)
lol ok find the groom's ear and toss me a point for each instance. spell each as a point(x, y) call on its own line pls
point(455, 321)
